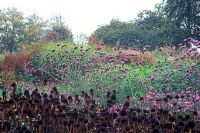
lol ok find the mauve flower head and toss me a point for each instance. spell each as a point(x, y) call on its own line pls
point(167, 90)
point(165, 74)
point(189, 71)
point(82, 53)
point(193, 65)
point(176, 59)
point(180, 44)
point(113, 109)
point(182, 47)
point(197, 98)
point(174, 62)
point(183, 57)
point(152, 78)
point(53, 62)
point(122, 62)
point(93, 58)
point(156, 69)
point(130, 99)
point(192, 49)
point(78, 61)
point(194, 41)
point(147, 46)
point(112, 60)
point(198, 74)
point(160, 49)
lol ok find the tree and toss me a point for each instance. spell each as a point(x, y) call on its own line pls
point(183, 13)
point(11, 29)
point(150, 28)
point(35, 28)
point(159, 29)
point(117, 32)
point(170, 23)
point(58, 30)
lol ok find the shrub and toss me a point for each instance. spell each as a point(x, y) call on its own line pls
point(13, 61)
point(11, 64)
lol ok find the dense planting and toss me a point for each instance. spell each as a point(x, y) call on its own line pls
point(99, 89)
point(139, 76)
point(32, 111)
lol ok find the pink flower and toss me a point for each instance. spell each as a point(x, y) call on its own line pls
point(195, 41)
point(168, 80)
point(197, 98)
point(152, 78)
point(130, 99)
point(78, 61)
point(113, 109)
point(193, 65)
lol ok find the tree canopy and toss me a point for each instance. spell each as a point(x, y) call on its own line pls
point(12, 29)
point(15, 29)
point(169, 24)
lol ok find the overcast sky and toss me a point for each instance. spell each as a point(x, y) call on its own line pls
point(82, 16)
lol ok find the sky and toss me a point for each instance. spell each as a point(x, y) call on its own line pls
point(82, 16)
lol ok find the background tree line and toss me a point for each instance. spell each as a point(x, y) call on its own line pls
point(16, 29)
point(169, 24)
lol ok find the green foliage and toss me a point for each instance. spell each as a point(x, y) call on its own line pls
point(35, 28)
point(16, 30)
point(1, 57)
point(101, 76)
point(58, 30)
point(11, 29)
point(57, 62)
point(149, 29)
point(54, 52)
point(173, 77)
point(118, 32)
point(158, 30)
point(183, 13)
point(170, 23)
